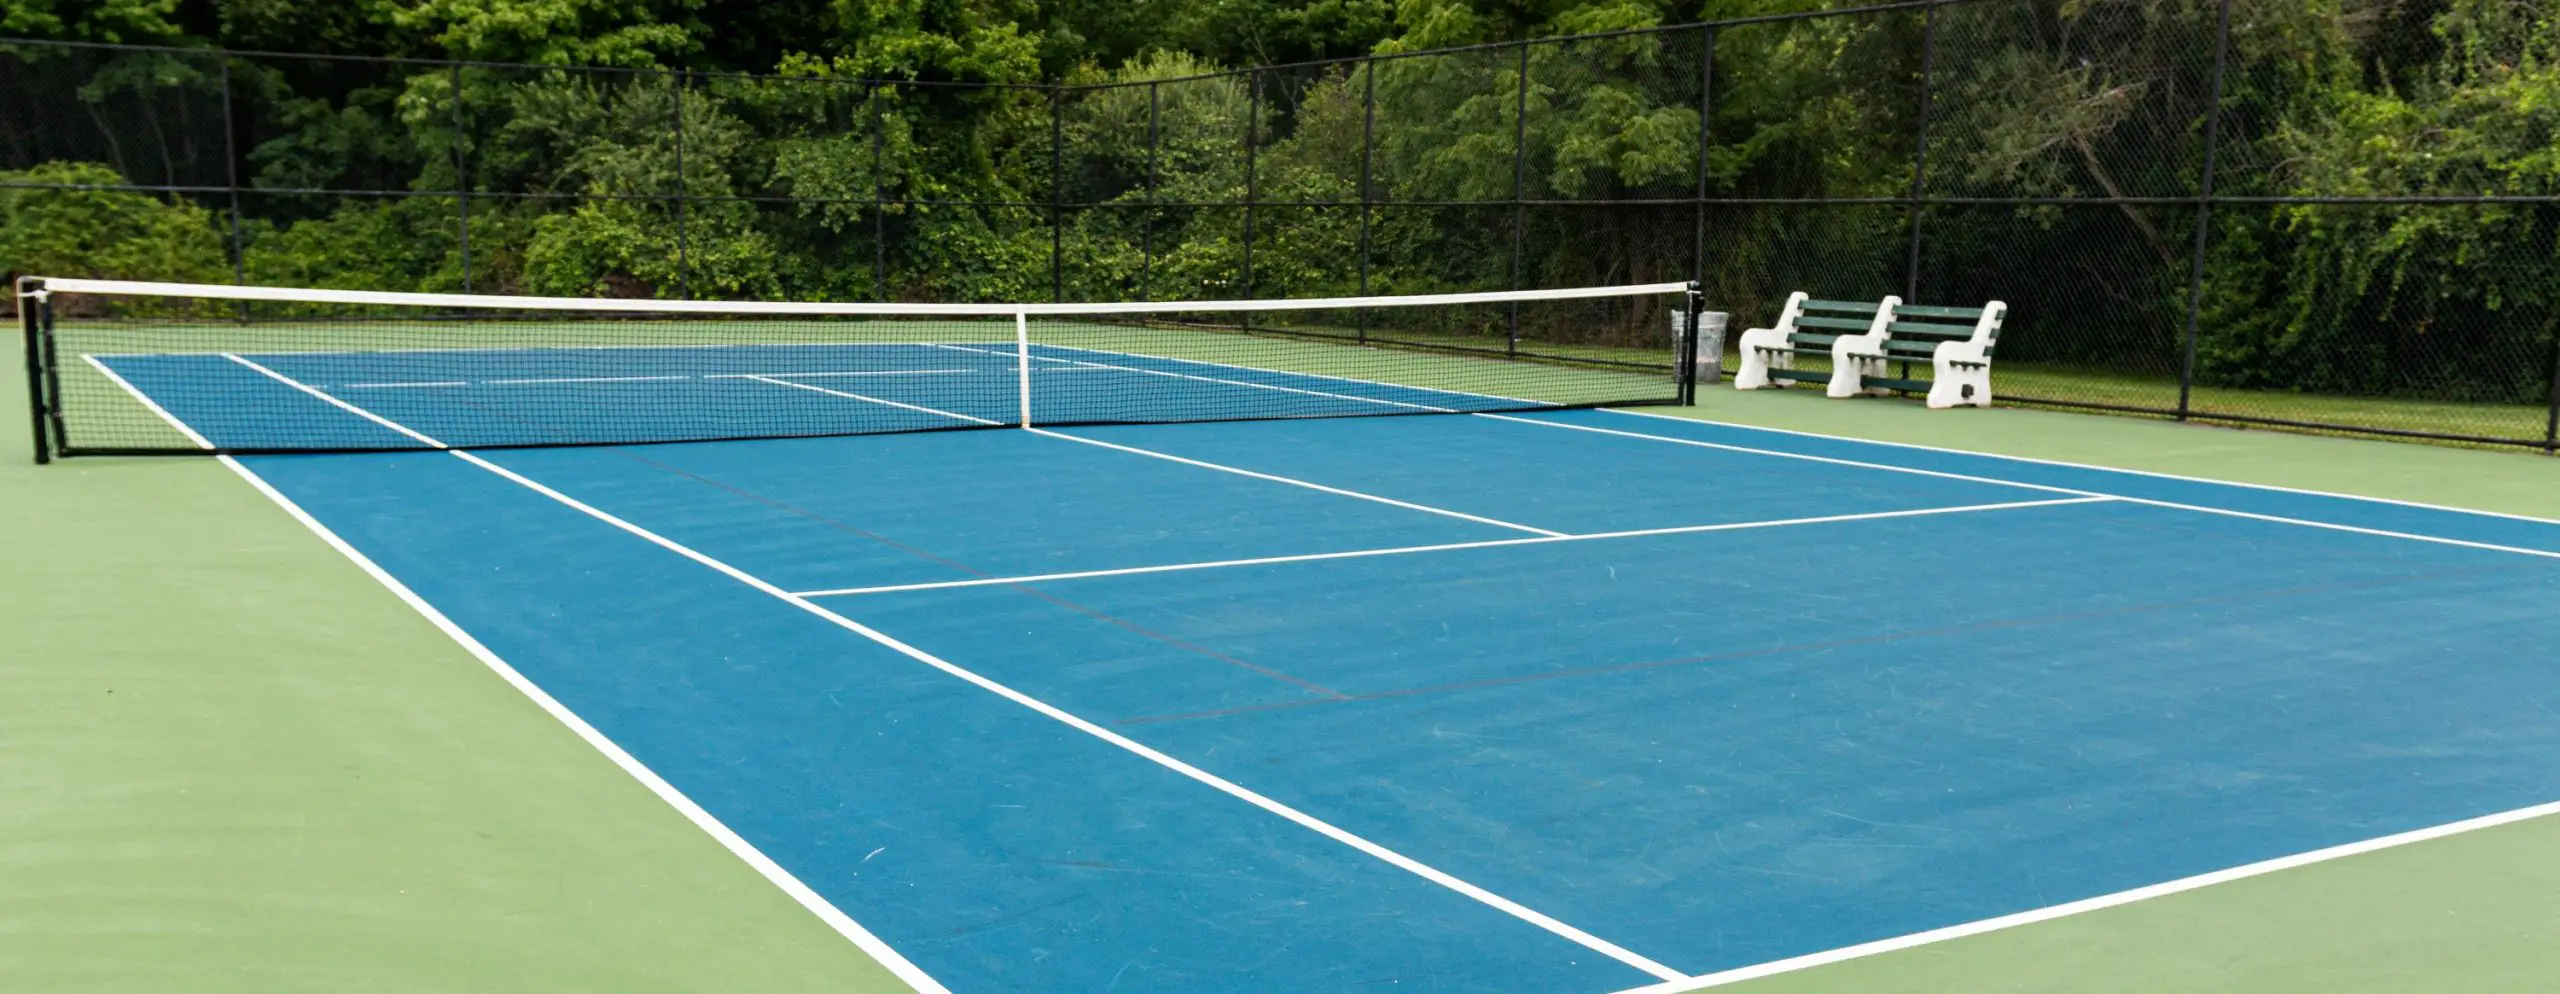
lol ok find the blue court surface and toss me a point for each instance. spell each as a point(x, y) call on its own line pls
point(1575, 701)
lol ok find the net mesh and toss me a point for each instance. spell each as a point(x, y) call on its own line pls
point(148, 368)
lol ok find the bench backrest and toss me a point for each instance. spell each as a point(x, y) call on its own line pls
point(1921, 324)
point(1916, 327)
point(1832, 318)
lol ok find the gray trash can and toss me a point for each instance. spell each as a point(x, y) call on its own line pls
point(1711, 325)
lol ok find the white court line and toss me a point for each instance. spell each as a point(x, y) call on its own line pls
point(1220, 467)
point(623, 347)
point(150, 405)
point(586, 379)
point(1230, 788)
point(844, 925)
point(1293, 481)
point(2174, 505)
point(818, 374)
point(2117, 899)
point(1315, 376)
point(870, 400)
point(825, 373)
point(335, 402)
point(2153, 474)
point(1448, 547)
point(1212, 379)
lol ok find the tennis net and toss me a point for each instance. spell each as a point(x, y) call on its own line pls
point(120, 367)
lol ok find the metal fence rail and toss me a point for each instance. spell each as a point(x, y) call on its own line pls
point(2159, 256)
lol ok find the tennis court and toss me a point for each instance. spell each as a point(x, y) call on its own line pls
point(1569, 700)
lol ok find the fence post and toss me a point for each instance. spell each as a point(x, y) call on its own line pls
point(1368, 129)
point(1519, 187)
point(684, 275)
point(1252, 178)
point(461, 175)
point(1147, 217)
point(231, 176)
point(1706, 115)
point(2204, 214)
point(1057, 189)
point(879, 205)
point(2551, 425)
point(1920, 156)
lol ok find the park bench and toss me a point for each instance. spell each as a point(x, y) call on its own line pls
point(1863, 339)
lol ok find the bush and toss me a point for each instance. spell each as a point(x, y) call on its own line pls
point(104, 234)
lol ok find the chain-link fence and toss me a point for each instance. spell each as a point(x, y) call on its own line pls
point(2248, 211)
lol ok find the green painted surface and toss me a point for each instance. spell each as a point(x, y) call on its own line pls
point(2476, 913)
point(231, 762)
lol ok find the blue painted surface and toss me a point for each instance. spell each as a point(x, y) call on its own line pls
point(1713, 748)
point(1702, 747)
point(1578, 481)
point(820, 513)
point(998, 849)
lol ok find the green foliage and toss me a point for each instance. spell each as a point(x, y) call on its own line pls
point(2376, 299)
point(103, 233)
point(122, 21)
point(904, 147)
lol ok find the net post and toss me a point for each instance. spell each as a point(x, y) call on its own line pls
point(1022, 361)
point(1695, 303)
point(31, 299)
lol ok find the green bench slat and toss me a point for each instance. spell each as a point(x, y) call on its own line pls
point(1809, 376)
point(1925, 311)
point(1844, 324)
point(1925, 329)
point(1808, 338)
point(1854, 306)
point(1921, 350)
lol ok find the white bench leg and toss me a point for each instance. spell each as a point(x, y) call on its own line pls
point(1959, 385)
point(1848, 370)
point(1756, 358)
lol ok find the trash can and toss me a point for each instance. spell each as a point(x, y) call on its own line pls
point(1711, 325)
